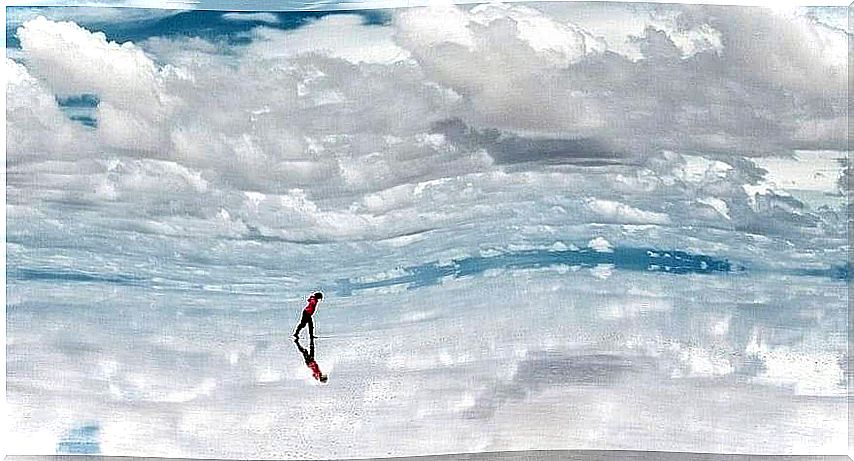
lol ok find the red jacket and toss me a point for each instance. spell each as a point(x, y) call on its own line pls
point(312, 305)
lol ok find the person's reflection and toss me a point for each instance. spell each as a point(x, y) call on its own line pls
point(308, 355)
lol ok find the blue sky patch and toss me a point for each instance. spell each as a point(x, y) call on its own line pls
point(83, 100)
point(209, 25)
point(83, 440)
point(80, 108)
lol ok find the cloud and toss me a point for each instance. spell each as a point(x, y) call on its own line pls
point(101, 16)
point(611, 210)
point(601, 245)
point(726, 81)
point(359, 44)
point(74, 61)
point(541, 370)
point(269, 18)
point(340, 130)
point(37, 130)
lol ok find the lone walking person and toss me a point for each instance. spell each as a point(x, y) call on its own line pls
point(307, 313)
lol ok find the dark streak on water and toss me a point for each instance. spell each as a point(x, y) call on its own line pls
point(65, 275)
point(634, 259)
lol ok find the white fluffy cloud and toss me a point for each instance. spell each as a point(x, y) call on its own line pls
point(37, 128)
point(73, 60)
point(339, 130)
point(729, 80)
point(16, 16)
point(259, 17)
point(339, 36)
point(502, 60)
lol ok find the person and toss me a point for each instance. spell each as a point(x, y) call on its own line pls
point(308, 356)
point(307, 313)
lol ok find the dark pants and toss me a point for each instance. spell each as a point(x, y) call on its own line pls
point(305, 320)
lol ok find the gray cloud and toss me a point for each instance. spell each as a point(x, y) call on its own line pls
point(775, 83)
point(509, 148)
point(543, 370)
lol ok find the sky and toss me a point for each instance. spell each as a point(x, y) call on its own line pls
point(404, 97)
point(177, 180)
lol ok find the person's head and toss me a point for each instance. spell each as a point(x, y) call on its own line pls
point(317, 295)
point(323, 378)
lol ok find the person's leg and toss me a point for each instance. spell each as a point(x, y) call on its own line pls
point(310, 327)
point(303, 321)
